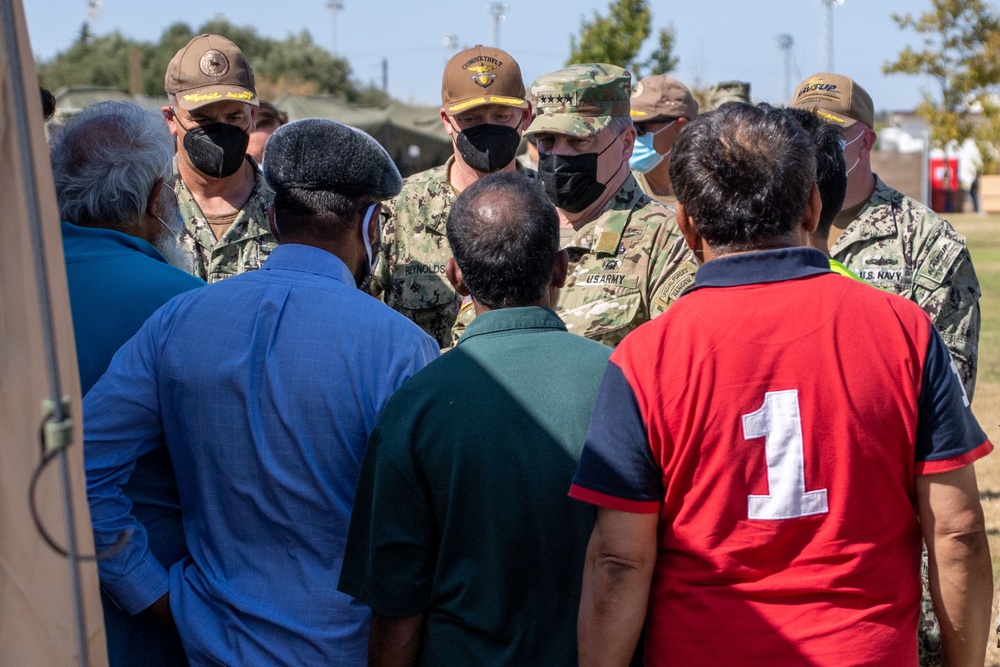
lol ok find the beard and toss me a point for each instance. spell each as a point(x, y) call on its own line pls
point(175, 254)
point(168, 241)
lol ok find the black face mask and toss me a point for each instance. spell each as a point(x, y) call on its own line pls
point(488, 148)
point(571, 180)
point(216, 149)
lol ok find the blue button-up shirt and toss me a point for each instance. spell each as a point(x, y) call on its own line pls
point(264, 388)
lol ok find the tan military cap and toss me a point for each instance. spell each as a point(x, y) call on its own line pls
point(661, 97)
point(836, 99)
point(210, 69)
point(481, 75)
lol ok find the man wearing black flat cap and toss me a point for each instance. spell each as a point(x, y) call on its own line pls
point(264, 389)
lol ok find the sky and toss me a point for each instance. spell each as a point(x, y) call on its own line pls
point(717, 40)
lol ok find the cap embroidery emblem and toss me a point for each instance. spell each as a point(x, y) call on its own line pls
point(481, 75)
point(214, 63)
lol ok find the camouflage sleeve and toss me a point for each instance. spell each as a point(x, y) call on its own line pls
point(671, 270)
point(947, 288)
point(466, 313)
point(379, 286)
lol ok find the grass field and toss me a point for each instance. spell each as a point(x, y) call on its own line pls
point(983, 234)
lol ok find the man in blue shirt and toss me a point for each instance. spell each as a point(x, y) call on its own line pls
point(111, 164)
point(264, 388)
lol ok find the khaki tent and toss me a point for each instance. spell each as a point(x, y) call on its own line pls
point(414, 136)
point(71, 99)
point(50, 612)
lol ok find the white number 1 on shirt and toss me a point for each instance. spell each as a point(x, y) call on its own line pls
point(779, 423)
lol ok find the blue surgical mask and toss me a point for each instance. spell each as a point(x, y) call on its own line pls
point(644, 156)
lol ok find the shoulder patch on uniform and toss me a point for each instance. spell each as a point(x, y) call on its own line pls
point(939, 262)
point(675, 285)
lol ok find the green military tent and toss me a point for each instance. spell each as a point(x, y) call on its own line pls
point(413, 135)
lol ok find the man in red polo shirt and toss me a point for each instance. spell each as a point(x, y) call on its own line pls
point(764, 468)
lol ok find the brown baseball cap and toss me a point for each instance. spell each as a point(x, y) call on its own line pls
point(481, 75)
point(660, 97)
point(836, 99)
point(210, 69)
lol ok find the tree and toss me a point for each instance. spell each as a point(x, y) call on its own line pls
point(295, 64)
point(618, 37)
point(960, 53)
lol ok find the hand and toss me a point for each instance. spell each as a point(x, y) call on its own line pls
point(161, 610)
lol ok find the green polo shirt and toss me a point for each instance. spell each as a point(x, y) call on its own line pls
point(462, 509)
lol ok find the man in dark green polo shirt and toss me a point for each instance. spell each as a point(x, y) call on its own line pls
point(463, 540)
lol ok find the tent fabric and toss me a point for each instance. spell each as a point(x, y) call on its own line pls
point(37, 609)
point(413, 135)
point(72, 99)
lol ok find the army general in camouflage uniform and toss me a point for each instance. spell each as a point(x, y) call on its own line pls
point(628, 261)
point(484, 111)
point(222, 195)
point(898, 244)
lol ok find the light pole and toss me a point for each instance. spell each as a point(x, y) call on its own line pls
point(497, 9)
point(335, 6)
point(786, 42)
point(828, 30)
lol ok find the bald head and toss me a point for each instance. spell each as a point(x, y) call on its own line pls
point(504, 234)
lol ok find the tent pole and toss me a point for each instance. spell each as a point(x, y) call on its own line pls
point(58, 414)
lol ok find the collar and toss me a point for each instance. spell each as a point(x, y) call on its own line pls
point(253, 212)
point(866, 227)
point(602, 235)
point(764, 266)
point(513, 321)
point(308, 259)
point(105, 240)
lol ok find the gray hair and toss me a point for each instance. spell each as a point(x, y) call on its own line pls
point(619, 124)
point(105, 162)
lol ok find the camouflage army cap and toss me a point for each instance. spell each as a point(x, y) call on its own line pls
point(660, 97)
point(836, 99)
point(728, 91)
point(481, 75)
point(210, 69)
point(580, 100)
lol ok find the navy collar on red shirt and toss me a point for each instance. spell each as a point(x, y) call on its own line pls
point(764, 266)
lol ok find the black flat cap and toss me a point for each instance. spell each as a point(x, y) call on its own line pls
point(322, 154)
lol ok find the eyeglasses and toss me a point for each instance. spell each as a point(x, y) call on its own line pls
point(643, 128)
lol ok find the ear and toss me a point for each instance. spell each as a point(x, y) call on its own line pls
point(170, 118)
point(525, 119)
point(253, 119)
point(448, 127)
point(375, 224)
point(814, 206)
point(271, 224)
point(628, 142)
point(868, 142)
point(560, 269)
point(687, 227)
point(454, 275)
point(154, 195)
